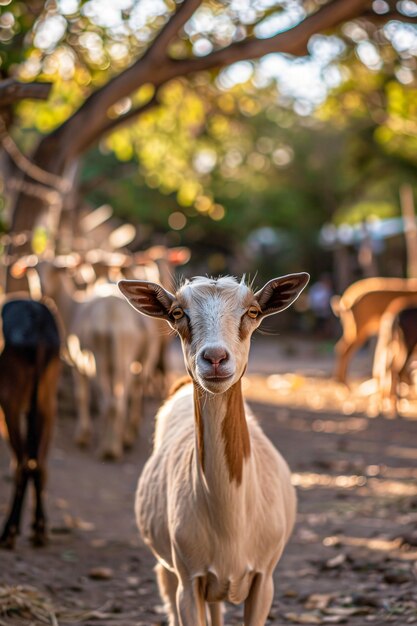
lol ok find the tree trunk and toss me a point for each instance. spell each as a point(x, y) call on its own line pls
point(410, 228)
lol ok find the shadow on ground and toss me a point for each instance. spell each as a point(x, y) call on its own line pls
point(351, 559)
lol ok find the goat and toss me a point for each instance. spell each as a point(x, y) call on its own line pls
point(215, 502)
point(29, 370)
point(104, 341)
point(360, 309)
point(397, 340)
point(156, 264)
point(165, 260)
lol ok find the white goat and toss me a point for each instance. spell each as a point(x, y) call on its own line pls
point(215, 502)
point(104, 340)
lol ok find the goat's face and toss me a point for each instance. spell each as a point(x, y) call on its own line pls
point(215, 319)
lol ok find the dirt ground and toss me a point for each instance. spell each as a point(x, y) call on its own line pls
point(351, 559)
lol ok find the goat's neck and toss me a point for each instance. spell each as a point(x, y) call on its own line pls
point(222, 443)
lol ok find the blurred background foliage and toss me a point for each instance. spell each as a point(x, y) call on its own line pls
point(246, 163)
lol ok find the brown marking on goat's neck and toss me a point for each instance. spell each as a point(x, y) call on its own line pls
point(199, 426)
point(235, 433)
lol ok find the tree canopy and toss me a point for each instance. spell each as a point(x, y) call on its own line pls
point(292, 109)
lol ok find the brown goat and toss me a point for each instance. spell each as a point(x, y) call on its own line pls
point(360, 309)
point(29, 370)
point(397, 340)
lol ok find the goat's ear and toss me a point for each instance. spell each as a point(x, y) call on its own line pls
point(148, 298)
point(279, 293)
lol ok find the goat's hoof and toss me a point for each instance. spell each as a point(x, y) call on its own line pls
point(83, 438)
point(110, 454)
point(8, 540)
point(39, 536)
point(39, 539)
point(130, 438)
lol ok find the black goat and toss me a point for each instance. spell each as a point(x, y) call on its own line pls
point(29, 371)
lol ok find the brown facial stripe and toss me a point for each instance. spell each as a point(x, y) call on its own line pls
point(235, 433)
point(199, 425)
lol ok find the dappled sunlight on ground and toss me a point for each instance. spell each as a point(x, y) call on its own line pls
point(351, 559)
point(324, 395)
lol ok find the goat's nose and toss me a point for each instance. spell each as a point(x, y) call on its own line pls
point(215, 355)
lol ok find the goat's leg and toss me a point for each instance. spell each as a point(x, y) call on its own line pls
point(344, 353)
point(113, 426)
point(112, 382)
point(135, 410)
point(11, 408)
point(216, 614)
point(84, 429)
point(168, 583)
point(46, 417)
point(190, 604)
point(343, 350)
point(163, 367)
point(392, 391)
point(12, 525)
point(39, 537)
point(259, 601)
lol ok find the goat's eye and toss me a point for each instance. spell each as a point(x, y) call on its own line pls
point(177, 313)
point(253, 312)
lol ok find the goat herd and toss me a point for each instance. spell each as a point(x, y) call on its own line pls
point(112, 350)
point(215, 502)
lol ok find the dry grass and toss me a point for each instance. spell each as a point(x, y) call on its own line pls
point(27, 606)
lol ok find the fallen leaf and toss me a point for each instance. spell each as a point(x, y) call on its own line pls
point(397, 576)
point(303, 618)
point(83, 525)
point(336, 561)
point(346, 611)
point(318, 601)
point(98, 543)
point(100, 573)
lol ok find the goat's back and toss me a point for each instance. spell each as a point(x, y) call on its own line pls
point(27, 325)
point(368, 286)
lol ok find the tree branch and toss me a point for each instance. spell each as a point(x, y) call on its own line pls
point(26, 166)
point(382, 18)
point(115, 123)
point(293, 41)
point(12, 90)
point(92, 115)
point(87, 124)
point(161, 42)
